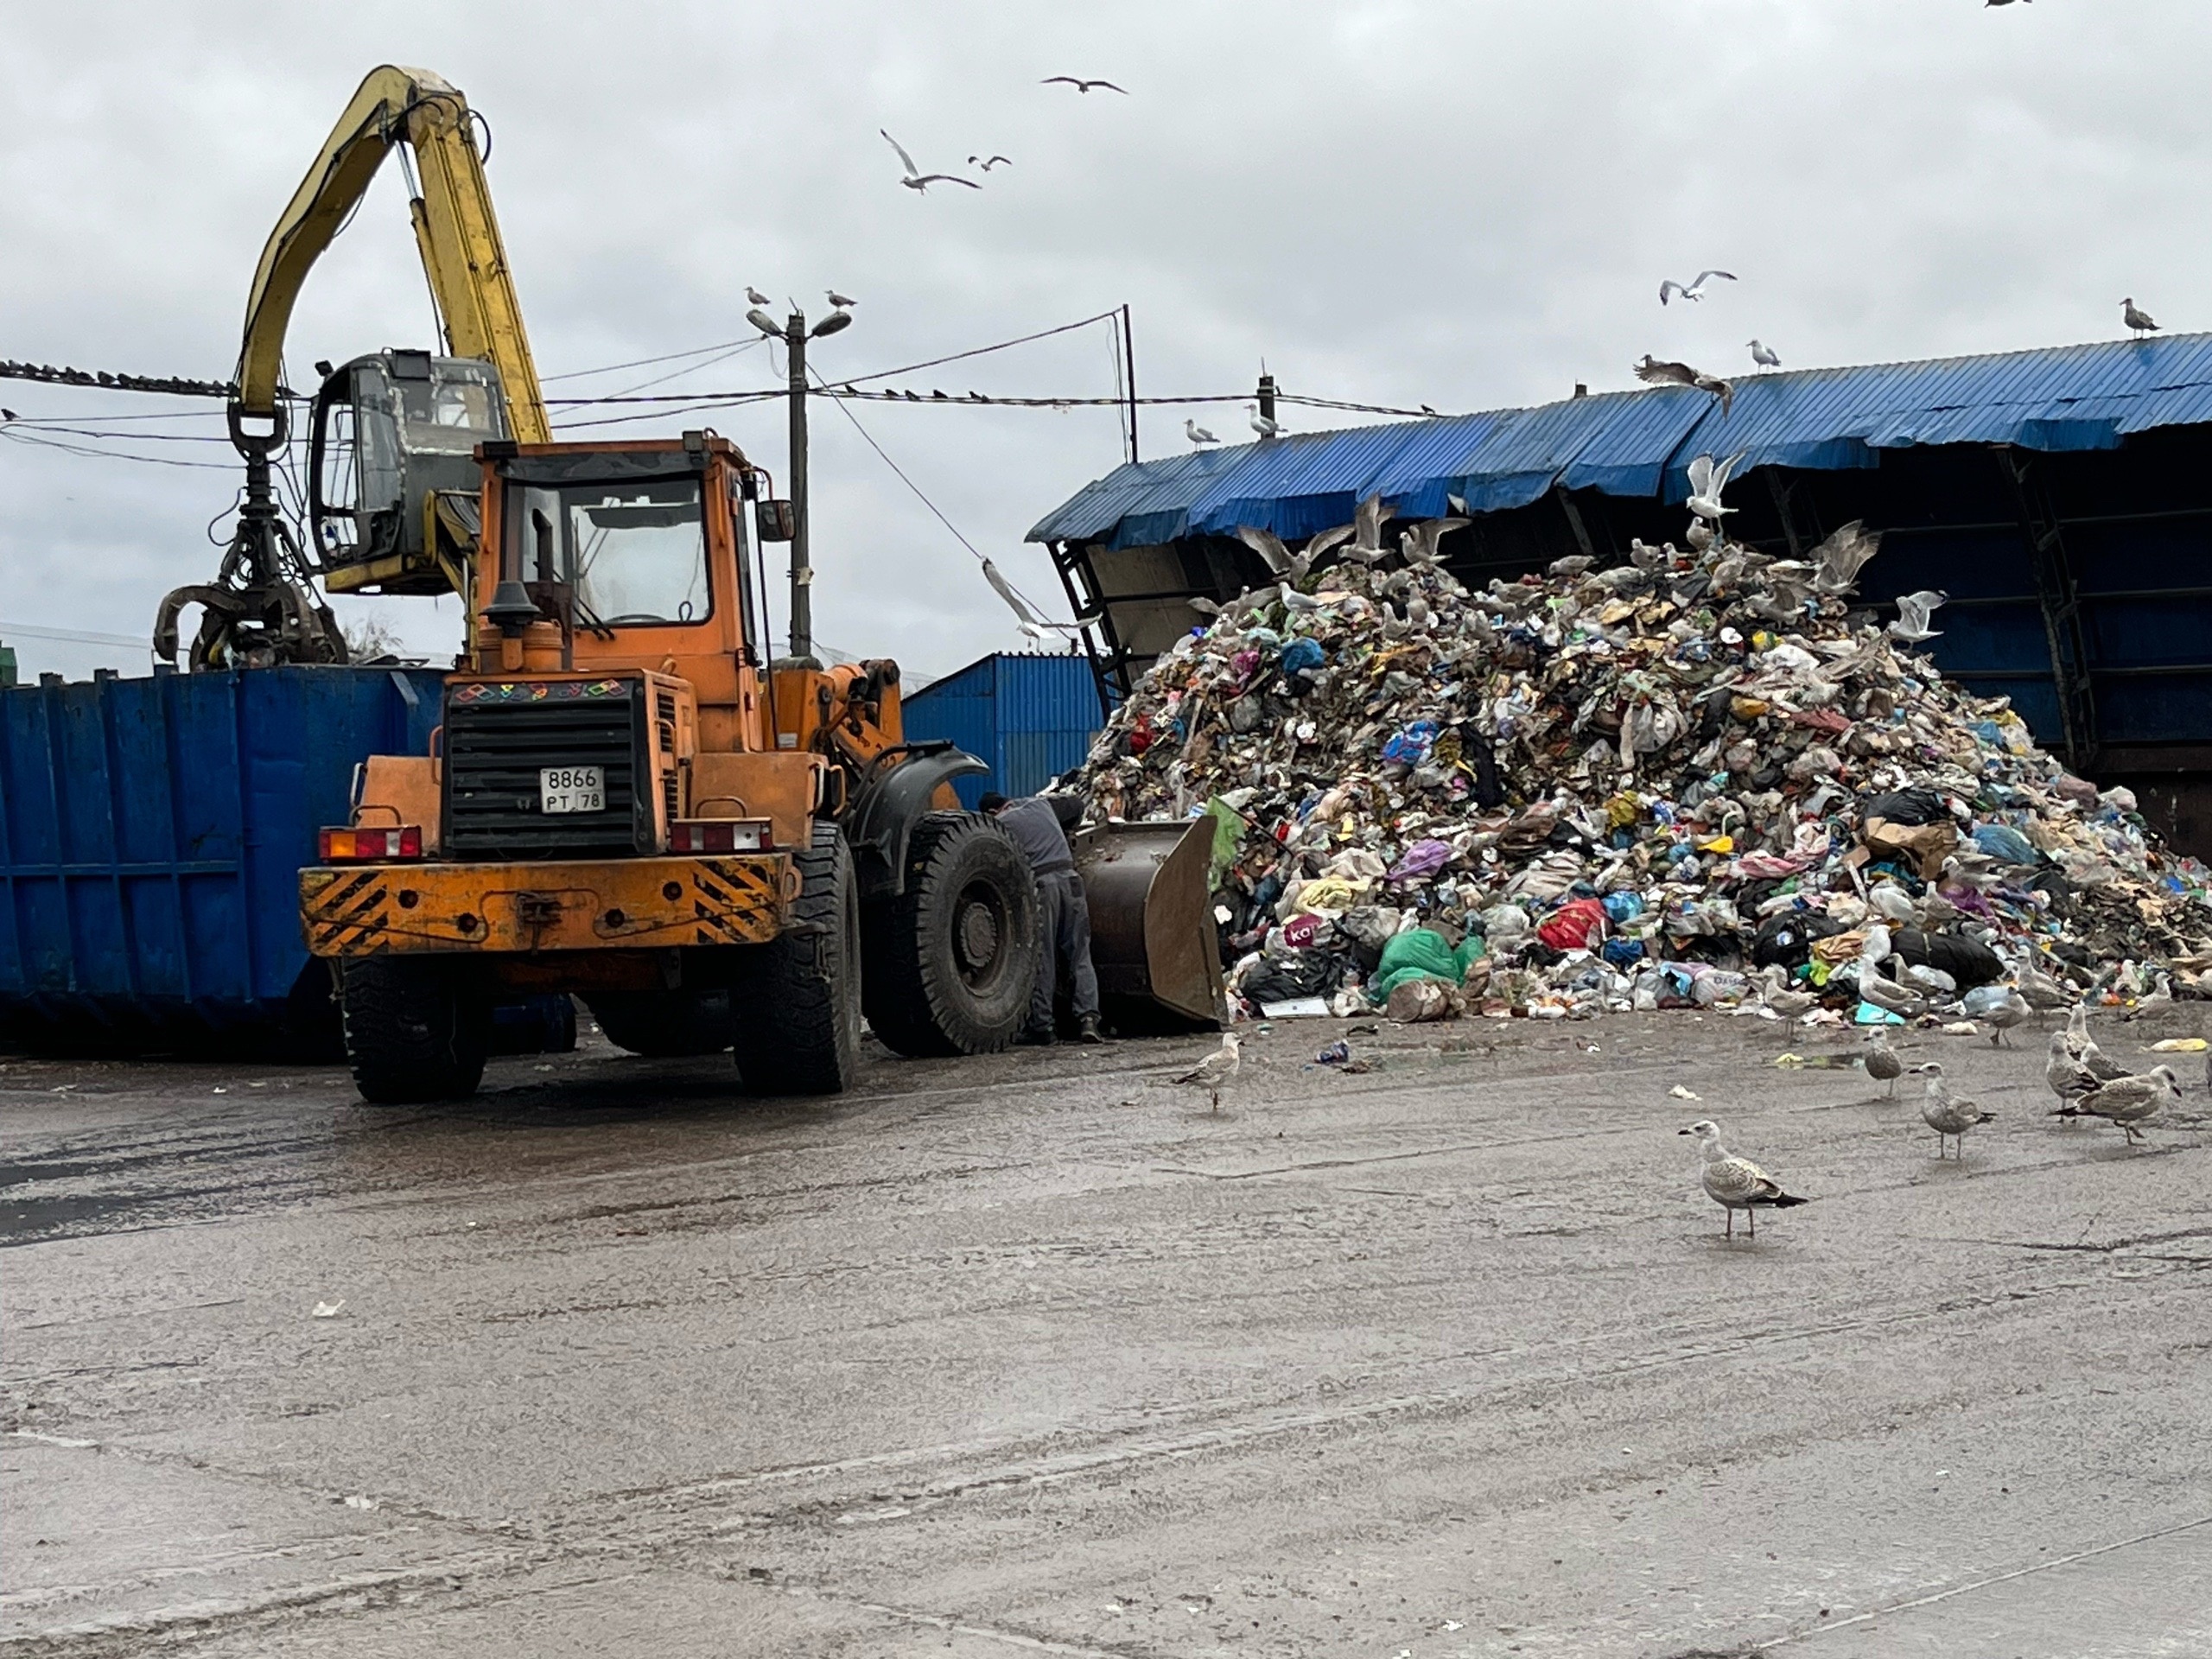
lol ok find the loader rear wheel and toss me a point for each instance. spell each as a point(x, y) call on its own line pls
point(951, 960)
point(415, 1032)
point(795, 1010)
point(662, 1025)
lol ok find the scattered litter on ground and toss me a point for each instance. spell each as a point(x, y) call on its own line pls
point(1680, 1093)
point(1632, 787)
point(329, 1310)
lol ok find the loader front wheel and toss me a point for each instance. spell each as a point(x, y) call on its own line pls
point(795, 1010)
point(414, 1031)
point(951, 960)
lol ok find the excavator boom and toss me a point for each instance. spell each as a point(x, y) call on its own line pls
point(455, 231)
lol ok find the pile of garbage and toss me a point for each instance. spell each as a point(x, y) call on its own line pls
point(1683, 780)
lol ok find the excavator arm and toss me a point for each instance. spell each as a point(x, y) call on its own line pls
point(455, 231)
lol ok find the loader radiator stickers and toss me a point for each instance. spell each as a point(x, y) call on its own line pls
point(501, 738)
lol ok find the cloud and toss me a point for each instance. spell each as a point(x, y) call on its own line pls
point(1466, 206)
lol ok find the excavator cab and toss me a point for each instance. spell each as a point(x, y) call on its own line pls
point(392, 478)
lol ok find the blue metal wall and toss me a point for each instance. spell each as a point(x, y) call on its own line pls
point(152, 831)
point(1029, 718)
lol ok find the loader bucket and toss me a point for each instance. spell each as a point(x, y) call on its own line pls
point(1151, 926)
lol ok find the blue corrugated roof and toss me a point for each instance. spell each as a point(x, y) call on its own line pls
point(2085, 397)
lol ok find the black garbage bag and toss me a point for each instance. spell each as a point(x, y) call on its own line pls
point(1310, 973)
point(1786, 940)
point(1967, 961)
point(1906, 806)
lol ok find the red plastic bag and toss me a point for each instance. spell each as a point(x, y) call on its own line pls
point(1578, 925)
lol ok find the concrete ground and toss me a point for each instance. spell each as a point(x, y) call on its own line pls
point(1038, 1355)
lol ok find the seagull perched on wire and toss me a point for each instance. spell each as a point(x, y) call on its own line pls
point(1081, 85)
point(1213, 1073)
point(1708, 478)
point(1656, 372)
point(990, 161)
point(1736, 1183)
point(917, 181)
point(1266, 425)
point(1692, 290)
point(1764, 355)
point(1913, 611)
point(2139, 321)
point(1196, 433)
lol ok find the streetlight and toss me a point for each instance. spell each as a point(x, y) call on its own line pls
point(795, 334)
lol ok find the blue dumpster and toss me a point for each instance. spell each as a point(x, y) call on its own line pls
point(151, 833)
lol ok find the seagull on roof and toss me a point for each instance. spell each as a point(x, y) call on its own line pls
point(917, 181)
point(1081, 85)
point(1266, 425)
point(1196, 433)
point(1692, 290)
point(1737, 1183)
point(2139, 321)
point(1657, 372)
point(1764, 355)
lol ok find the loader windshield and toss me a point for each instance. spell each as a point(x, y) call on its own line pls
point(634, 554)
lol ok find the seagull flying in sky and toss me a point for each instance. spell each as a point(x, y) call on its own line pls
point(2139, 321)
point(1692, 290)
point(1655, 372)
point(1913, 611)
point(1196, 433)
point(1708, 478)
point(1080, 84)
point(990, 161)
point(1764, 355)
point(1033, 625)
point(917, 181)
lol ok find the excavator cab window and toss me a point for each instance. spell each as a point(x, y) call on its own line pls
point(388, 430)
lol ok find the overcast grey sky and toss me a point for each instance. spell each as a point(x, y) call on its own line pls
point(1467, 205)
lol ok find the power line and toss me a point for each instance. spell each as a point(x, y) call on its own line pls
point(25, 631)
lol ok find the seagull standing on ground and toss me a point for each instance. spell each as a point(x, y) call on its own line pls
point(1764, 355)
point(2139, 321)
point(917, 181)
point(1691, 291)
point(2063, 1074)
point(1196, 433)
point(1945, 1113)
point(1737, 1183)
point(2100, 1065)
point(1081, 85)
point(1882, 1062)
point(2128, 1100)
point(1213, 1073)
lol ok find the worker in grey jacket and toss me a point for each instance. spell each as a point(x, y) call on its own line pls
point(1063, 910)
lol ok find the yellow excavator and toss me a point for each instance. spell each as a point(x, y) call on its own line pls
point(627, 798)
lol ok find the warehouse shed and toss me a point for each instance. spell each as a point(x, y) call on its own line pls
point(1028, 717)
point(2062, 497)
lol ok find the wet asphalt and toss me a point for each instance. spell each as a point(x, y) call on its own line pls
point(1036, 1354)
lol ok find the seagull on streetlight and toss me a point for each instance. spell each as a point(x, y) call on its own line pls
point(843, 302)
point(1764, 355)
point(2139, 321)
point(1081, 85)
point(756, 296)
point(1196, 433)
point(1691, 291)
point(1266, 425)
point(990, 161)
point(917, 181)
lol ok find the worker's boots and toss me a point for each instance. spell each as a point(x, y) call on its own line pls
point(1086, 1030)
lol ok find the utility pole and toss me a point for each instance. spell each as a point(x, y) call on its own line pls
point(1129, 363)
point(1267, 395)
point(802, 568)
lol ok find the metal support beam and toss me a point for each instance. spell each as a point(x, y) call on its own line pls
point(1574, 522)
point(2061, 604)
point(1799, 526)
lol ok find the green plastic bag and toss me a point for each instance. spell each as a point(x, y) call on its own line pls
point(1421, 953)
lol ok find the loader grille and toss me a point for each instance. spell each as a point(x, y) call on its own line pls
point(498, 735)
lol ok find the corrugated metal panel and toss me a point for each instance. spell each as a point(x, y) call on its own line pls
point(1028, 717)
point(152, 831)
point(2070, 397)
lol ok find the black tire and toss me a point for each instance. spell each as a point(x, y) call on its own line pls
point(662, 1025)
point(952, 960)
point(415, 1030)
point(795, 1011)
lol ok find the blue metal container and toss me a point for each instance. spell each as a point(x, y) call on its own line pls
point(151, 834)
point(1029, 718)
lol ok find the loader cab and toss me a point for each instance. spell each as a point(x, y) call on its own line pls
point(392, 443)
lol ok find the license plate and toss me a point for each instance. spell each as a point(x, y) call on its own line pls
point(572, 789)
